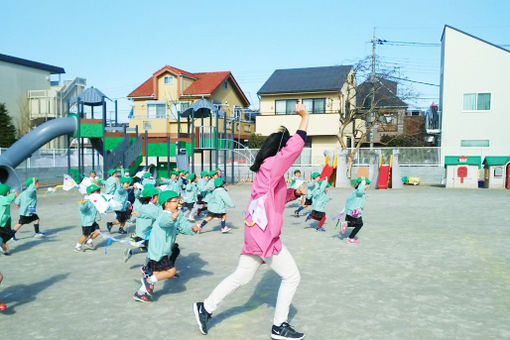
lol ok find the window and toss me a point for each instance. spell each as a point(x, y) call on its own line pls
point(283, 107)
point(169, 80)
point(178, 108)
point(315, 105)
point(156, 110)
point(147, 125)
point(480, 143)
point(225, 84)
point(477, 102)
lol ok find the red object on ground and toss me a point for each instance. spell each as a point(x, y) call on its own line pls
point(327, 171)
point(2, 307)
point(462, 173)
point(508, 176)
point(384, 177)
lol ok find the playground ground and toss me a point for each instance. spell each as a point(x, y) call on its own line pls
point(432, 263)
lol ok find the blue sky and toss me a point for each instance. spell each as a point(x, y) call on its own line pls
point(116, 45)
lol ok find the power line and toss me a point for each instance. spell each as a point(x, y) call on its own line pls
point(413, 81)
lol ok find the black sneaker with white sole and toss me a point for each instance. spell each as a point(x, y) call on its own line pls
point(202, 316)
point(284, 332)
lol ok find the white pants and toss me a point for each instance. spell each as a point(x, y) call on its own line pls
point(283, 264)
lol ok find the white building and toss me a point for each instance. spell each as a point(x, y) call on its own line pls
point(474, 97)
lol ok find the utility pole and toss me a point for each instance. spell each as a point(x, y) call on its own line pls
point(374, 42)
point(372, 81)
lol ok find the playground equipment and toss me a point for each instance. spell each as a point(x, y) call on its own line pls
point(29, 143)
point(462, 171)
point(497, 172)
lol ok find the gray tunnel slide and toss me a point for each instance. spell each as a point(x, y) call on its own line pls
point(29, 143)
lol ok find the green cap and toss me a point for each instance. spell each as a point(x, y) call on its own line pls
point(204, 173)
point(191, 177)
point(185, 171)
point(212, 173)
point(91, 188)
point(174, 173)
point(358, 180)
point(147, 175)
point(4, 189)
point(126, 180)
point(30, 181)
point(218, 182)
point(112, 171)
point(92, 171)
point(166, 195)
point(149, 190)
point(315, 175)
point(297, 170)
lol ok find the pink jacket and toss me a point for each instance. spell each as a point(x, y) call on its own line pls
point(270, 180)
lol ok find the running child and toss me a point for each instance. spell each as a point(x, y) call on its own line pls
point(172, 183)
point(296, 179)
point(124, 212)
point(310, 189)
point(89, 226)
point(320, 199)
point(147, 179)
point(201, 190)
point(354, 209)
point(27, 203)
point(218, 201)
point(146, 211)
point(5, 216)
point(190, 196)
point(94, 179)
point(163, 250)
point(111, 184)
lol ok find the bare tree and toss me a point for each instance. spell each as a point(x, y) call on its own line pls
point(362, 110)
point(23, 123)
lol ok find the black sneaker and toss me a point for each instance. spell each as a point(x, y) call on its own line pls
point(109, 226)
point(122, 231)
point(201, 316)
point(285, 331)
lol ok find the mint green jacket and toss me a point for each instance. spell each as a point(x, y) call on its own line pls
point(219, 200)
point(320, 198)
point(164, 232)
point(110, 185)
point(27, 199)
point(121, 196)
point(5, 208)
point(191, 193)
point(88, 214)
point(209, 187)
point(310, 188)
point(201, 186)
point(147, 215)
point(356, 200)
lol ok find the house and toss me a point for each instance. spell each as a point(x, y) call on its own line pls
point(170, 91)
point(390, 109)
point(324, 92)
point(473, 96)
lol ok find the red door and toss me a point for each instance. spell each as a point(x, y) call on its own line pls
point(508, 176)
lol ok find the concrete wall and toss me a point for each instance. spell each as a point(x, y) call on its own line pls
point(15, 82)
point(473, 66)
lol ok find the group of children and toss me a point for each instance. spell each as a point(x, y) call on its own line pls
point(317, 196)
point(159, 216)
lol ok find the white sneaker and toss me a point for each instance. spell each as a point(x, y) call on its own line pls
point(78, 249)
point(226, 229)
point(90, 245)
point(39, 235)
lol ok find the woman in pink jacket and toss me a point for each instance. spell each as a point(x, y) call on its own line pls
point(263, 224)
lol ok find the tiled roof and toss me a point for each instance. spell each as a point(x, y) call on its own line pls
point(385, 94)
point(205, 83)
point(34, 64)
point(310, 79)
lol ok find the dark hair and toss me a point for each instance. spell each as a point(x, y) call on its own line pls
point(270, 147)
point(145, 200)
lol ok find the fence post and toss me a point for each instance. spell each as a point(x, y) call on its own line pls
point(54, 160)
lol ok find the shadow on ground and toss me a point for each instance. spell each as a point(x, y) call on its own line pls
point(15, 296)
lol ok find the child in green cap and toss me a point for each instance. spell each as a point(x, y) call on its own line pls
point(27, 203)
point(112, 183)
point(201, 191)
point(190, 196)
point(123, 213)
point(320, 199)
point(354, 209)
point(147, 179)
point(146, 213)
point(163, 250)
point(5, 216)
point(172, 183)
point(313, 185)
point(89, 226)
point(218, 201)
point(296, 178)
